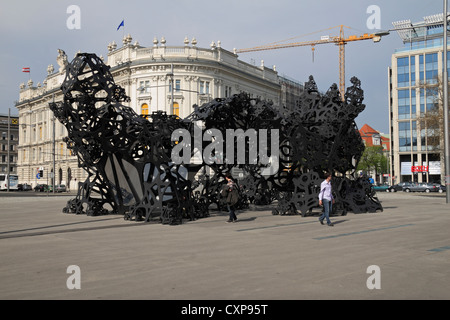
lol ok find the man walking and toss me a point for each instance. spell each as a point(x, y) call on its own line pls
point(231, 195)
point(326, 199)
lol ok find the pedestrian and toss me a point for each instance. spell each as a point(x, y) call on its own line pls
point(326, 199)
point(231, 194)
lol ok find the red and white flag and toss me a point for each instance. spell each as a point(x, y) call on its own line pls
point(26, 70)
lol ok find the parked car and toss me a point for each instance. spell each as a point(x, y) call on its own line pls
point(421, 187)
point(407, 185)
point(441, 188)
point(24, 187)
point(60, 188)
point(383, 187)
point(395, 188)
point(41, 188)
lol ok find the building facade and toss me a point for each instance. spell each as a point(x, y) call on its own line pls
point(171, 79)
point(371, 138)
point(9, 143)
point(414, 89)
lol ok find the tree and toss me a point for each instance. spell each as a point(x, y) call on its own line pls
point(373, 159)
point(431, 122)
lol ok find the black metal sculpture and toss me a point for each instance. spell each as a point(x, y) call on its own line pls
point(130, 161)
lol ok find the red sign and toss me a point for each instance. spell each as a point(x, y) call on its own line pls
point(419, 169)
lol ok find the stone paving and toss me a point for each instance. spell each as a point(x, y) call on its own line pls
point(400, 253)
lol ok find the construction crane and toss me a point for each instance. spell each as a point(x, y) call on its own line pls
point(340, 40)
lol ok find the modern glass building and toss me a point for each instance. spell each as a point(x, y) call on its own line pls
point(414, 94)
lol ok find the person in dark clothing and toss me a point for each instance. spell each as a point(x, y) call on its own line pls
point(231, 195)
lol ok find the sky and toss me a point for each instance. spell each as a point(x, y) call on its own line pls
point(33, 31)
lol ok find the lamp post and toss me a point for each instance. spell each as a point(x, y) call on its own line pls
point(54, 155)
point(446, 124)
point(8, 169)
point(171, 86)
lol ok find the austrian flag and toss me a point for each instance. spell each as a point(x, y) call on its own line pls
point(26, 70)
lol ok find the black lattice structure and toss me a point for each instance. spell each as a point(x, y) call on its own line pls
point(129, 162)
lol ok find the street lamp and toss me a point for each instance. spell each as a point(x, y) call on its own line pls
point(8, 169)
point(172, 88)
point(54, 155)
point(379, 34)
point(445, 89)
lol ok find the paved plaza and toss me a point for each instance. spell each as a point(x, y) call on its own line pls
point(261, 257)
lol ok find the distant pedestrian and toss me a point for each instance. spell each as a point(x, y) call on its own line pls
point(231, 194)
point(326, 199)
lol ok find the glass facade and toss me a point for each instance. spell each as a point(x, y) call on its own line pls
point(431, 68)
point(404, 109)
point(430, 38)
point(406, 94)
point(415, 100)
point(403, 72)
point(414, 139)
point(414, 135)
point(404, 134)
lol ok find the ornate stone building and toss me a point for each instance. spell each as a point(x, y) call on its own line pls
point(167, 78)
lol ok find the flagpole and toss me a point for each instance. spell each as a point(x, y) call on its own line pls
point(122, 25)
point(8, 169)
point(27, 70)
point(446, 119)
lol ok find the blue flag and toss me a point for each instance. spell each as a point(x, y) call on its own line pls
point(122, 24)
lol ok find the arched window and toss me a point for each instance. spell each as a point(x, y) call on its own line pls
point(60, 173)
point(69, 177)
point(144, 109)
point(176, 109)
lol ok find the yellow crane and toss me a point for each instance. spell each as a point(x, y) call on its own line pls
point(340, 40)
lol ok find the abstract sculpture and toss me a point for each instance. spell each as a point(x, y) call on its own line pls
point(128, 157)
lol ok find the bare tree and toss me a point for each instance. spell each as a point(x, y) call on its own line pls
point(431, 122)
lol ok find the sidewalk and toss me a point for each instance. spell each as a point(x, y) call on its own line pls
point(261, 257)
